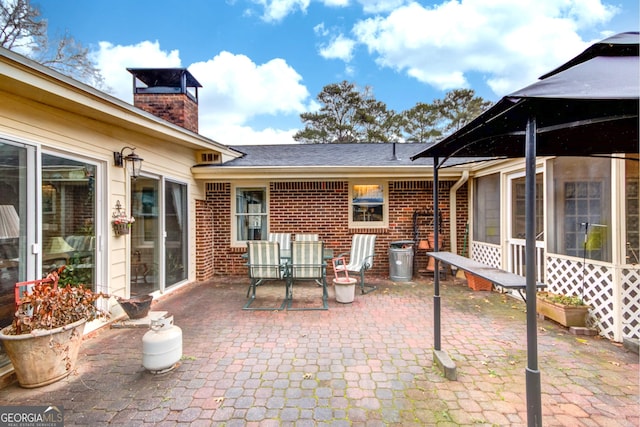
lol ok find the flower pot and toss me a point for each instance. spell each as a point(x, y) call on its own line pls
point(44, 356)
point(136, 307)
point(566, 315)
point(478, 283)
point(345, 288)
point(120, 229)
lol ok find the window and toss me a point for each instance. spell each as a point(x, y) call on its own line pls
point(582, 199)
point(368, 207)
point(486, 209)
point(250, 214)
point(518, 204)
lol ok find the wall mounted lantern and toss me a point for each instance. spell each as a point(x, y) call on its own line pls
point(133, 161)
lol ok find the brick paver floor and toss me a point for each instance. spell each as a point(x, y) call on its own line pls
point(368, 363)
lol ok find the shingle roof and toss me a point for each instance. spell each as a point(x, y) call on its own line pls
point(319, 155)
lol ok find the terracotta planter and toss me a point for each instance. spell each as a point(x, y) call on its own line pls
point(478, 283)
point(566, 315)
point(44, 356)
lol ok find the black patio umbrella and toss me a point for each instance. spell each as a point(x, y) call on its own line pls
point(588, 106)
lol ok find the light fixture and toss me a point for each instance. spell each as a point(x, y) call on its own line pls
point(134, 162)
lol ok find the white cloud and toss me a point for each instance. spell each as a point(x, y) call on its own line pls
point(336, 3)
point(339, 47)
point(277, 10)
point(379, 6)
point(237, 89)
point(508, 42)
point(232, 134)
point(234, 91)
point(113, 61)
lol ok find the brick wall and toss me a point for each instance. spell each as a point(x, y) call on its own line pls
point(322, 207)
point(178, 109)
point(204, 240)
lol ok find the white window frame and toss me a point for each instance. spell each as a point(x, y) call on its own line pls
point(234, 227)
point(385, 205)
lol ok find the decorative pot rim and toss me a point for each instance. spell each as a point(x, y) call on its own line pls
point(39, 332)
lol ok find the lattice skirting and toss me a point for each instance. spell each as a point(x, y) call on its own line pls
point(595, 284)
point(487, 254)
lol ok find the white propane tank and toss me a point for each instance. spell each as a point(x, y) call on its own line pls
point(161, 345)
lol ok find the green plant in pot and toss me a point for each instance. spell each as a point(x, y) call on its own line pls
point(44, 338)
point(565, 309)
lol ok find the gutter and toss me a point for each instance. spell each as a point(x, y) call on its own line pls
point(453, 232)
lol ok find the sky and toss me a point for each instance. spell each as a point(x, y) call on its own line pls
point(262, 63)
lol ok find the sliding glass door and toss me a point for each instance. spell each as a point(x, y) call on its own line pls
point(159, 234)
point(69, 219)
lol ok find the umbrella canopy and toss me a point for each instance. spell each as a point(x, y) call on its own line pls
point(585, 107)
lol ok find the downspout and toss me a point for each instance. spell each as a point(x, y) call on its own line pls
point(453, 212)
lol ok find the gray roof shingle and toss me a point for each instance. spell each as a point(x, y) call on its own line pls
point(321, 155)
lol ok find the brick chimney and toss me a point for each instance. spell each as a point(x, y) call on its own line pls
point(168, 93)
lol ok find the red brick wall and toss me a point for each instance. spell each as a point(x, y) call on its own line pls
point(204, 240)
point(323, 207)
point(178, 109)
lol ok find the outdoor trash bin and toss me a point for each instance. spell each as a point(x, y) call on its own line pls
point(401, 260)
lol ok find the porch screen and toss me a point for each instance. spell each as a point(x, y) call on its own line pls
point(582, 208)
point(632, 202)
point(486, 209)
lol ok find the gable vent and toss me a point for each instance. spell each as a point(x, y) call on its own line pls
point(208, 157)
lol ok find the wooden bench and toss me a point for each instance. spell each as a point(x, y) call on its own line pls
point(495, 275)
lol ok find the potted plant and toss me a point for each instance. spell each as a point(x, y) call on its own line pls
point(121, 222)
point(564, 309)
point(45, 336)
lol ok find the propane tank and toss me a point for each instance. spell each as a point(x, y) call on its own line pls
point(161, 345)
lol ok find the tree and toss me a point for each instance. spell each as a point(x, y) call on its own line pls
point(422, 123)
point(459, 107)
point(349, 115)
point(24, 31)
point(336, 119)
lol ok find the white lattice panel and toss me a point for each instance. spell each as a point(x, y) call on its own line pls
point(486, 254)
point(631, 303)
point(593, 283)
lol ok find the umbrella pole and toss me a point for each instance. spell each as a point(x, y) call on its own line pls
point(534, 401)
point(436, 269)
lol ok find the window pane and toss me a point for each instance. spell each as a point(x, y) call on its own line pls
point(367, 203)
point(176, 228)
point(486, 209)
point(251, 214)
point(632, 188)
point(145, 235)
point(68, 218)
point(13, 209)
point(518, 205)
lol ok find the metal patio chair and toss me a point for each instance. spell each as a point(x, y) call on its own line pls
point(307, 263)
point(264, 264)
point(361, 258)
point(283, 238)
point(307, 237)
